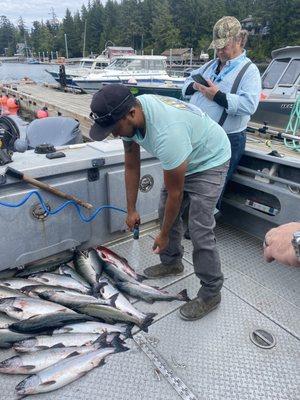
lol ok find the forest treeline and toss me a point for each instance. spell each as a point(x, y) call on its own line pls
point(154, 24)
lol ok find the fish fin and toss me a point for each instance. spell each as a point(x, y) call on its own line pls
point(6, 284)
point(101, 363)
point(128, 331)
point(46, 347)
point(48, 383)
point(75, 353)
point(117, 343)
point(141, 277)
point(29, 367)
point(96, 290)
point(113, 299)
point(148, 300)
point(147, 321)
point(124, 259)
point(58, 345)
point(101, 341)
point(17, 309)
point(183, 295)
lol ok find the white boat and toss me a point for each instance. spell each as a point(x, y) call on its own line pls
point(129, 69)
point(86, 66)
point(280, 88)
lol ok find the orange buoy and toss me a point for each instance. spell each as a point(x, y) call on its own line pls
point(3, 100)
point(43, 113)
point(12, 103)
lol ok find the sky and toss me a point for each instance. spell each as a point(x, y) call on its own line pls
point(32, 10)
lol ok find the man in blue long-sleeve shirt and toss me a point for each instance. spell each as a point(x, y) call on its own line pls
point(229, 41)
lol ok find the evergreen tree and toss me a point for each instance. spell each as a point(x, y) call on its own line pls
point(164, 33)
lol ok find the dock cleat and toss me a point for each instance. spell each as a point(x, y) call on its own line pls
point(161, 270)
point(198, 308)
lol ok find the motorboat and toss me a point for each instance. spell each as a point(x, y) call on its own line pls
point(33, 61)
point(130, 69)
point(280, 88)
point(162, 89)
point(87, 65)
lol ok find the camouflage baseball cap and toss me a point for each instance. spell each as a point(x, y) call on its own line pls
point(224, 29)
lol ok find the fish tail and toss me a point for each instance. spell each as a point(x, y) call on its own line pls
point(102, 340)
point(96, 289)
point(128, 330)
point(183, 295)
point(147, 321)
point(117, 343)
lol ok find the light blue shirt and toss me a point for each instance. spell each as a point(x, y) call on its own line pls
point(240, 105)
point(177, 131)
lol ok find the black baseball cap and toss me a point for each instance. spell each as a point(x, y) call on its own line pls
point(108, 106)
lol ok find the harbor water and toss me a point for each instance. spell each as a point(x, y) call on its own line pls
point(13, 72)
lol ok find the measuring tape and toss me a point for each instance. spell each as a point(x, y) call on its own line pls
point(161, 365)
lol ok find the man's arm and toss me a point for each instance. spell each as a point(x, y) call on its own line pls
point(278, 244)
point(132, 179)
point(174, 183)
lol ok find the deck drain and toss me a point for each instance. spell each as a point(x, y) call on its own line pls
point(263, 339)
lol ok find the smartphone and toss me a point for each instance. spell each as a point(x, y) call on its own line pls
point(199, 79)
point(57, 154)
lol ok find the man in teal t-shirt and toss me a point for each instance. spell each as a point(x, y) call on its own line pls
point(194, 152)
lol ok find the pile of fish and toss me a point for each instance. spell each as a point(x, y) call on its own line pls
point(63, 320)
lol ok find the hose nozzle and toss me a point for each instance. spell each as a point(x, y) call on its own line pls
point(136, 231)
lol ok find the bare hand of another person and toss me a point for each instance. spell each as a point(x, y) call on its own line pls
point(208, 92)
point(160, 243)
point(278, 244)
point(132, 219)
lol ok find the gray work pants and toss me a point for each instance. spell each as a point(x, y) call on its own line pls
point(201, 193)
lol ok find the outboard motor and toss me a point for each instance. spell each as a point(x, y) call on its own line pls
point(58, 131)
point(19, 135)
point(11, 128)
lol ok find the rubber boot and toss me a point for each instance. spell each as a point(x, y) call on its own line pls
point(162, 270)
point(198, 308)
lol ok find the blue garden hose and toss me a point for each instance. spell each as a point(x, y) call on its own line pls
point(61, 207)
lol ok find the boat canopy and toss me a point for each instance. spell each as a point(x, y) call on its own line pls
point(140, 63)
point(284, 70)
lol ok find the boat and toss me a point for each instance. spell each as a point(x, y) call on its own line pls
point(87, 65)
point(280, 88)
point(163, 89)
point(129, 69)
point(256, 327)
point(32, 61)
point(247, 347)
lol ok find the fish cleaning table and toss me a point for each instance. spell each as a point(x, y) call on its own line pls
point(214, 356)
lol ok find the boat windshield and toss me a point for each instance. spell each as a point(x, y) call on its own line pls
point(274, 72)
point(291, 75)
point(86, 64)
point(101, 65)
point(137, 64)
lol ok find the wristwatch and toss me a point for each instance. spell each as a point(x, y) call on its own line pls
point(296, 243)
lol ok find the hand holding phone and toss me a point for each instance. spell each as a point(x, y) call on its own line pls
point(199, 79)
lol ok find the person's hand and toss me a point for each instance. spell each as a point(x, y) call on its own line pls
point(208, 92)
point(160, 243)
point(278, 244)
point(132, 219)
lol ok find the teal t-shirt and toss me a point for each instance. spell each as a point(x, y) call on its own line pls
point(177, 131)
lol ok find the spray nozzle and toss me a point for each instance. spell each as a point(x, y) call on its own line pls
point(136, 231)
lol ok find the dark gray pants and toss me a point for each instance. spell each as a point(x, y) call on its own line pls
point(201, 193)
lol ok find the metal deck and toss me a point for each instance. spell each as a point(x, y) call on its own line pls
point(220, 361)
